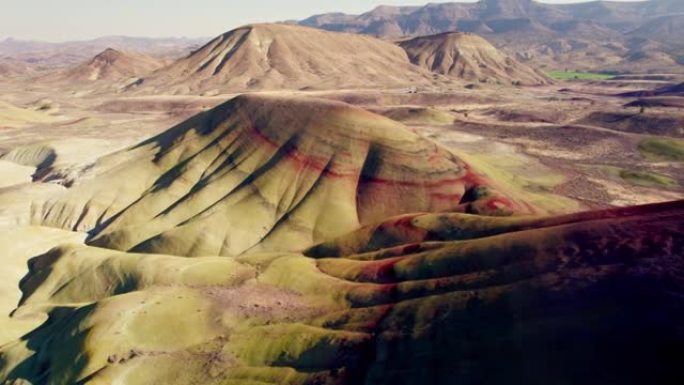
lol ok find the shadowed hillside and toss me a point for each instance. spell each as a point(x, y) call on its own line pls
point(295, 240)
point(414, 299)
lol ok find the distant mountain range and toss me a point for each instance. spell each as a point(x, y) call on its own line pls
point(46, 55)
point(501, 16)
point(599, 35)
point(282, 56)
point(603, 36)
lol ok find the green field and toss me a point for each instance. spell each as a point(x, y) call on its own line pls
point(564, 75)
point(662, 149)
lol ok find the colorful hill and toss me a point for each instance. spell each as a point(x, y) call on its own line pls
point(294, 240)
point(414, 299)
point(266, 173)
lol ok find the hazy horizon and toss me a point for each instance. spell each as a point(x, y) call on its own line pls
point(71, 20)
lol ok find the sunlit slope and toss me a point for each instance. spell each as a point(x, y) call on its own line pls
point(469, 57)
point(18, 245)
point(422, 298)
point(13, 173)
point(109, 65)
point(266, 173)
point(12, 116)
point(52, 157)
point(281, 56)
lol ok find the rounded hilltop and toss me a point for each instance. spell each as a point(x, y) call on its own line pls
point(186, 191)
point(109, 66)
point(467, 56)
point(284, 56)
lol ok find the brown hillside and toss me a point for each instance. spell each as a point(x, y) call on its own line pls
point(282, 239)
point(109, 65)
point(469, 57)
point(10, 67)
point(530, 28)
point(277, 56)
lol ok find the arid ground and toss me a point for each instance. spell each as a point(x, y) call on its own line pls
point(291, 205)
point(571, 145)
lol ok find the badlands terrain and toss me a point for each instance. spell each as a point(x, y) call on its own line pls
point(284, 204)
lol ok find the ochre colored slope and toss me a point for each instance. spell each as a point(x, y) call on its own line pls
point(330, 246)
point(590, 298)
point(469, 57)
point(18, 245)
point(279, 56)
point(13, 116)
point(267, 173)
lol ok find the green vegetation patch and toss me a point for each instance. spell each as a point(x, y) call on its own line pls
point(523, 178)
point(662, 149)
point(571, 75)
point(647, 178)
point(639, 178)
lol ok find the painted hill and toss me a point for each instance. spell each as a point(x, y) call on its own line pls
point(329, 245)
point(415, 299)
point(469, 57)
point(279, 56)
point(266, 173)
point(109, 65)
